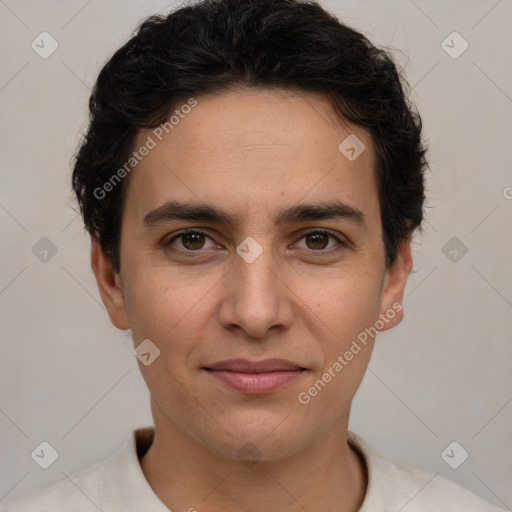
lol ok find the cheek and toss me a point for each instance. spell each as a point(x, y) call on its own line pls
point(159, 296)
point(347, 312)
point(160, 311)
point(171, 318)
point(345, 306)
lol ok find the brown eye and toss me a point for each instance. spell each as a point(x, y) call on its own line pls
point(317, 240)
point(193, 241)
point(190, 240)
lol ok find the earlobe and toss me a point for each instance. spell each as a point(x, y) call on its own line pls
point(391, 310)
point(109, 285)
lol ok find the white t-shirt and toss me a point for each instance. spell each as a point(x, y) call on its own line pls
point(117, 484)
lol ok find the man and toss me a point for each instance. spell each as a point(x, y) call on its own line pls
point(251, 179)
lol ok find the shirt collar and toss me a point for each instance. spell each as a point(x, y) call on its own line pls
point(123, 485)
point(378, 485)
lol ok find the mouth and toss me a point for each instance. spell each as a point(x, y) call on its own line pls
point(254, 378)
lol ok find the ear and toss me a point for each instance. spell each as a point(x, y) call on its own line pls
point(395, 279)
point(109, 284)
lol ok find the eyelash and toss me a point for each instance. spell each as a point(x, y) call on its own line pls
point(321, 252)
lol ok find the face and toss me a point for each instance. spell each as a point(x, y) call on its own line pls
point(248, 236)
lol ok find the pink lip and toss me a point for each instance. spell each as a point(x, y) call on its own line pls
point(254, 378)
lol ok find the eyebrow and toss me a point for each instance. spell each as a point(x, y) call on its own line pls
point(177, 210)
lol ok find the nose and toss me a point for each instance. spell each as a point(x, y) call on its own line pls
point(256, 297)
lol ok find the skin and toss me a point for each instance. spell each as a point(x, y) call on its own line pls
point(252, 153)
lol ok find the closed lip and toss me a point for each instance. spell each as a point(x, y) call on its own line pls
point(246, 366)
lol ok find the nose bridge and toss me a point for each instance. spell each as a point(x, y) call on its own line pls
point(256, 269)
point(255, 295)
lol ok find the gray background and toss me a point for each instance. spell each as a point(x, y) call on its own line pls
point(69, 378)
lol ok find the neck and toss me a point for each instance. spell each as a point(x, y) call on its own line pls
point(328, 476)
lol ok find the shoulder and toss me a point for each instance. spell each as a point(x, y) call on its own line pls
point(80, 489)
point(396, 486)
point(425, 491)
point(116, 483)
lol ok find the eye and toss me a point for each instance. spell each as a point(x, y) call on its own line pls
point(191, 240)
point(318, 240)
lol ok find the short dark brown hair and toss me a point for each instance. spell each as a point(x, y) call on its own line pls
point(217, 45)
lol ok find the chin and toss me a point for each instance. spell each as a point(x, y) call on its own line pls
point(259, 436)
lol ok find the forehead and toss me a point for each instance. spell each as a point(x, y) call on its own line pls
point(253, 146)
